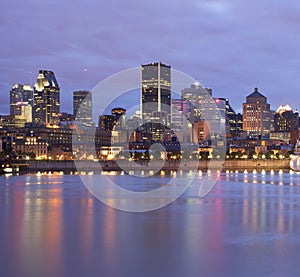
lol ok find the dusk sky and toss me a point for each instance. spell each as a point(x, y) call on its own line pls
point(230, 46)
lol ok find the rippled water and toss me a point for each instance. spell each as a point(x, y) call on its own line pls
point(248, 225)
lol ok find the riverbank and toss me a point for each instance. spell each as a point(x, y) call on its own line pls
point(240, 165)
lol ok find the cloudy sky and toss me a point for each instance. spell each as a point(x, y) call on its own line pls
point(230, 46)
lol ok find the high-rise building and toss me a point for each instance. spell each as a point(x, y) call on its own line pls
point(202, 108)
point(25, 116)
point(120, 115)
point(177, 112)
point(256, 115)
point(195, 97)
point(155, 90)
point(21, 98)
point(222, 106)
point(107, 122)
point(239, 123)
point(198, 102)
point(285, 120)
point(46, 99)
point(82, 106)
point(231, 123)
point(113, 121)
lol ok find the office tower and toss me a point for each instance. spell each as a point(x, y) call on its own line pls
point(203, 111)
point(107, 122)
point(120, 117)
point(115, 120)
point(155, 91)
point(177, 112)
point(197, 100)
point(239, 123)
point(231, 120)
point(200, 105)
point(285, 120)
point(256, 115)
point(82, 107)
point(21, 100)
point(134, 122)
point(222, 106)
point(25, 116)
point(230, 117)
point(46, 99)
point(66, 117)
point(112, 128)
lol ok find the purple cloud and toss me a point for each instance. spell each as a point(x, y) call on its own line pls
point(231, 46)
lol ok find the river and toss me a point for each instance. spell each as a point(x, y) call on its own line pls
point(248, 225)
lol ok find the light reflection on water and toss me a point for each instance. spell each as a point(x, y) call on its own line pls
point(248, 225)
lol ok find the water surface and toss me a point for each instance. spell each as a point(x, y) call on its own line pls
point(248, 225)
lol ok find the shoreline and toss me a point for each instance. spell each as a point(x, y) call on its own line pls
point(69, 167)
point(184, 165)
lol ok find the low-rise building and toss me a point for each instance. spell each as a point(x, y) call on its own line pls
point(32, 145)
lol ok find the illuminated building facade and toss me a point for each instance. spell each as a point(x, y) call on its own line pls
point(46, 99)
point(196, 97)
point(32, 145)
point(177, 112)
point(285, 120)
point(21, 101)
point(155, 91)
point(112, 128)
point(231, 118)
point(120, 117)
point(239, 123)
point(256, 115)
point(107, 122)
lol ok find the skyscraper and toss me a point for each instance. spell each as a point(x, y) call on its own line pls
point(83, 99)
point(197, 99)
point(230, 117)
point(204, 112)
point(285, 120)
point(46, 99)
point(21, 97)
point(177, 112)
point(155, 91)
point(120, 114)
point(256, 115)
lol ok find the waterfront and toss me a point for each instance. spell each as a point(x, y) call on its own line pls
point(248, 225)
point(238, 164)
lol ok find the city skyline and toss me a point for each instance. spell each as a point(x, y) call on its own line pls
point(130, 98)
point(231, 47)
